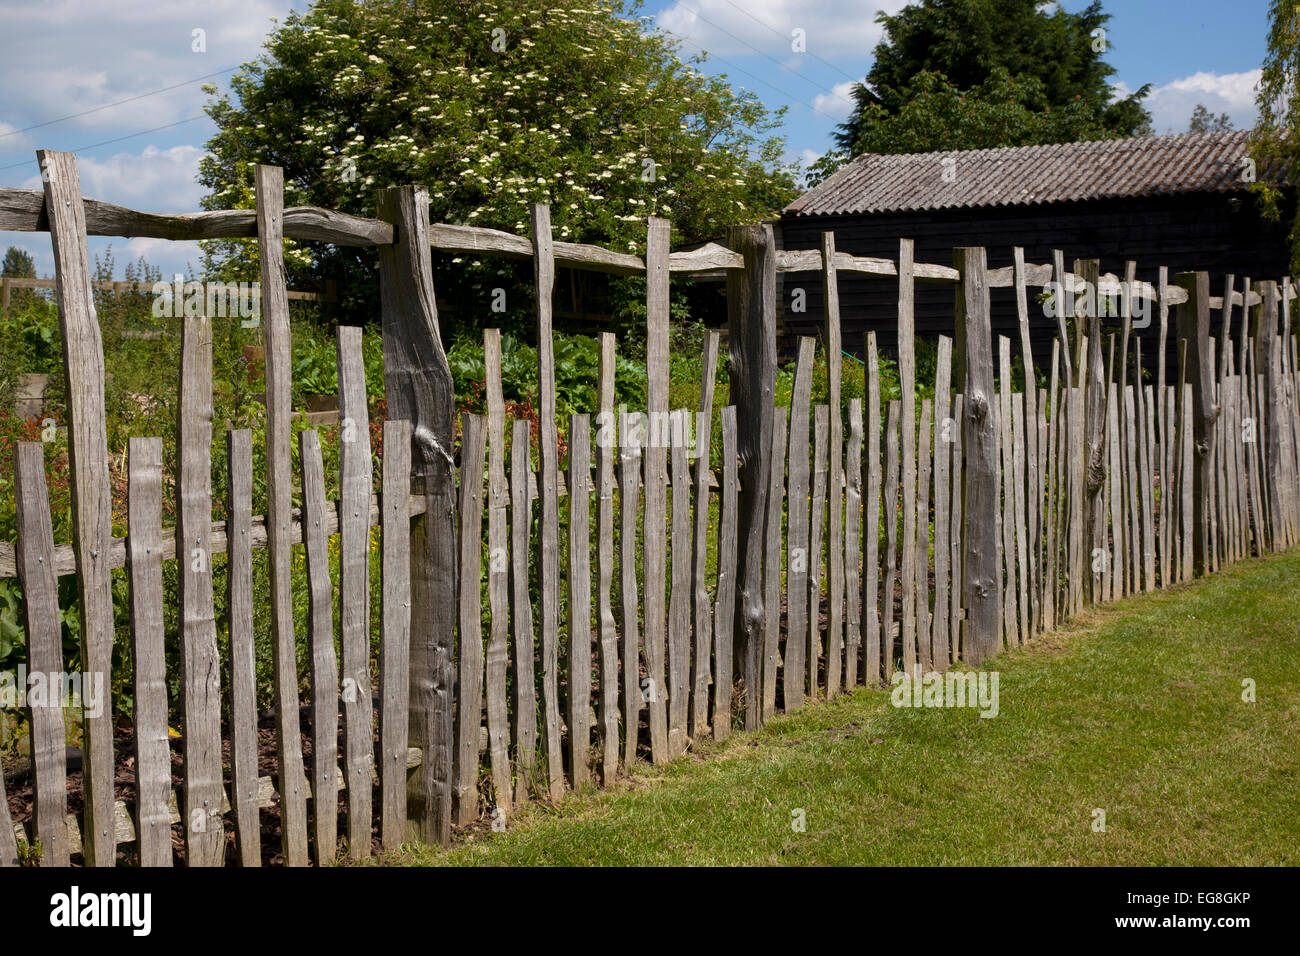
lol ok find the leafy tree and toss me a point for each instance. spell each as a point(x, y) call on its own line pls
point(1203, 121)
point(18, 264)
point(992, 73)
point(1275, 145)
point(493, 105)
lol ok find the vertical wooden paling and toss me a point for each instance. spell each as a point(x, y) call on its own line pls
point(1146, 430)
point(955, 525)
point(1018, 463)
point(725, 615)
point(1115, 556)
point(35, 560)
point(355, 487)
point(269, 182)
point(205, 841)
point(324, 665)
point(923, 537)
point(944, 427)
point(853, 545)
point(579, 599)
point(497, 658)
point(873, 672)
point(243, 662)
point(395, 630)
point(772, 562)
point(549, 495)
point(835, 496)
point(1033, 472)
point(1194, 328)
point(679, 598)
point(521, 606)
point(469, 658)
point(629, 499)
point(751, 330)
point(606, 449)
point(701, 651)
point(821, 430)
point(907, 386)
point(656, 482)
point(92, 516)
point(981, 584)
point(1004, 426)
point(797, 555)
point(890, 505)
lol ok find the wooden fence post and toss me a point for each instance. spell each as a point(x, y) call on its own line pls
point(92, 515)
point(418, 388)
point(981, 585)
point(751, 325)
point(1194, 328)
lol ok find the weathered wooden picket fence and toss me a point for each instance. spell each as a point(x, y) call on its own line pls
point(808, 563)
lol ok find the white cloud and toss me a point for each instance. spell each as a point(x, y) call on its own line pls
point(1171, 104)
point(112, 50)
point(731, 27)
point(155, 180)
point(838, 102)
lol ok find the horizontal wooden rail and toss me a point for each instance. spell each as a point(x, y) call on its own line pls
point(14, 282)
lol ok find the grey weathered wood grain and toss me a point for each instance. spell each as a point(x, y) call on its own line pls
point(890, 505)
point(418, 388)
point(702, 645)
point(751, 324)
point(944, 428)
point(873, 672)
point(1052, 553)
point(656, 485)
point(797, 554)
point(8, 838)
point(200, 662)
point(821, 430)
point(679, 598)
point(1146, 432)
point(1033, 474)
point(497, 658)
point(92, 517)
point(579, 580)
point(907, 385)
point(324, 663)
point(1010, 603)
point(629, 498)
point(1076, 533)
point(469, 659)
point(772, 562)
point(395, 631)
point(549, 581)
point(35, 554)
point(853, 546)
point(355, 487)
point(981, 583)
point(1063, 336)
point(835, 474)
point(269, 184)
point(1186, 447)
point(1194, 328)
point(606, 451)
point(703, 638)
point(725, 614)
point(956, 610)
point(1115, 556)
point(923, 455)
point(1018, 466)
point(21, 210)
point(243, 660)
point(521, 608)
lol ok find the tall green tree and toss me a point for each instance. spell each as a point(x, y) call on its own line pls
point(1275, 145)
point(18, 264)
point(969, 74)
point(492, 105)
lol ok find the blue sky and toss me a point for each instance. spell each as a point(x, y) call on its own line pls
point(65, 57)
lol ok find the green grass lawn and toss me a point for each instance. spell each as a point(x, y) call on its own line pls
point(1136, 709)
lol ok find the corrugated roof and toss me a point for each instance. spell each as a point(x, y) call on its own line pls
point(1028, 175)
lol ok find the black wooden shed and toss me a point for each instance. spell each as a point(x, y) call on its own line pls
point(1179, 201)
